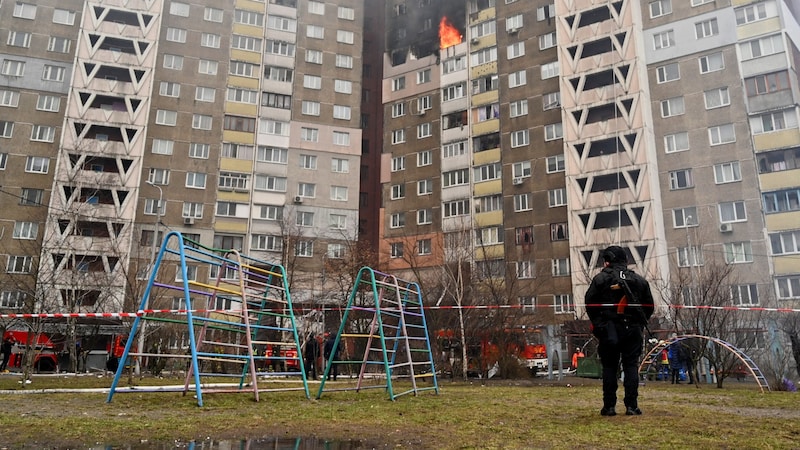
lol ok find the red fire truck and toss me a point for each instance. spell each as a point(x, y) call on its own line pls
point(45, 357)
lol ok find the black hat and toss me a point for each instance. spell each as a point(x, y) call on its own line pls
point(615, 254)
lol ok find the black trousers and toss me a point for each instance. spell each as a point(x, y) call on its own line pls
point(621, 345)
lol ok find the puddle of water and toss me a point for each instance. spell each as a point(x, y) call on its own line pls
point(266, 443)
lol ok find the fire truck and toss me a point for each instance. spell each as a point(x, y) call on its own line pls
point(484, 352)
point(45, 357)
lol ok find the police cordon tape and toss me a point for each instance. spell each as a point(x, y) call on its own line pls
point(230, 311)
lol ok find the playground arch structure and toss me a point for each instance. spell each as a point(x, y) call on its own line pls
point(245, 308)
point(652, 356)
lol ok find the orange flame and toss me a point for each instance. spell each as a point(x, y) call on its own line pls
point(448, 34)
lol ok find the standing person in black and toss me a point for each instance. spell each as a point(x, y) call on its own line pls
point(330, 354)
point(617, 323)
point(311, 353)
point(5, 349)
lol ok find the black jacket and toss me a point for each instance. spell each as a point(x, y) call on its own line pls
point(602, 298)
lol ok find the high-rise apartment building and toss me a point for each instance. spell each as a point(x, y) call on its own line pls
point(549, 130)
point(512, 139)
point(235, 123)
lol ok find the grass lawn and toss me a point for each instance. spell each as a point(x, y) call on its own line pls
point(503, 414)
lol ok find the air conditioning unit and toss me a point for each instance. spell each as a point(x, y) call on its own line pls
point(298, 199)
point(725, 228)
point(475, 41)
point(188, 220)
point(517, 181)
point(513, 30)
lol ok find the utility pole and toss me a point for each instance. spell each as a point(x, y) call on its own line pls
point(138, 367)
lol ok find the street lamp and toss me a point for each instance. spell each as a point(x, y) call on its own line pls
point(152, 266)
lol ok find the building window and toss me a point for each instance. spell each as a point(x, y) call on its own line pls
point(20, 39)
point(162, 147)
point(483, 56)
point(560, 267)
point(63, 16)
point(788, 287)
point(729, 172)
point(547, 40)
point(19, 264)
point(396, 250)
point(304, 249)
point(765, 84)
point(196, 180)
point(755, 12)
point(519, 138)
point(660, 8)
point(397, 220)
point(545, 12)
point(12, 300)
point(11, 99)
point(559, 231)
point(664, 39)
point(557, 197)
point(487, 172)
point(424, 216)
point(337, 221)
point(672, 107)
point(345, 37)
point(204, 122)
point(524, 269)
point(176, 35)
point(556, 164)
point(562, 303)
point(424, 187)
point(339, 193)
point(193, 210)
point(3, 160)
point(206, 94)
point(764, 46)
point(744, 294)
point(24, 10)
point(775, 121)
point(270, 183)
point(680, 179)
point(43, 133)
point(716, 98)
point(31, 197)
point(783, 243)
point(667, 73)
point(6, 129)
point(553, 131)
point(53, 73)
point(738, 252)
point(522, 202)
point(456, 208)
point(712, 63)
point(169, 89)
point(179, 9)
point(12, 68)
point(25, 230)
point(516, 50)
point(304, 219)
point(212, 15)
point(398, 136)
point(685, 217)
point(690, 256)
point(167, 118)
point(516, 79)
point(550, 70)
point(706, 28)
point(424, 76)
point(312, 82)
point(398, 83)
point(721, 134)
point(398, 191)
point(677, 142)
point(424, 158)
point(518, 108)
point(551, 100)
point(521, 169)
point(488, 203)
point(207, 67)
point(424, 130)
point(307, 190)
point(730, 212)
point(341, 138)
